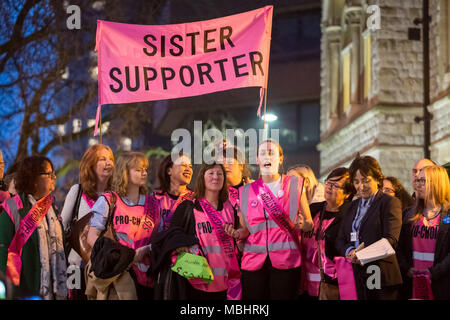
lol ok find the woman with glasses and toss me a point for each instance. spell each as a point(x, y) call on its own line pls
point(96, 169)
point(393, 187)
point(424, 245)
point(31, 235)
point(128, 210)
point(319, 275)
point(373, 216)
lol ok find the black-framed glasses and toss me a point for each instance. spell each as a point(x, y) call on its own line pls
point(50, 174)
point(388, 190)
point(333, 185)
point(420, 181)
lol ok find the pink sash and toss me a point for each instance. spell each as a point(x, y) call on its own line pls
point(233, 195)
point(27, 226)
point(226, 242)
point(89, 201)
point(275, 211)
point(346, 279)
point(189, 195)
point(149, 222)
point(422, 287)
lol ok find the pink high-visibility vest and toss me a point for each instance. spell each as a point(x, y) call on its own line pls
point(424, 242)
point(310, 262)
point(133, 227)
point(4, 195)
point(168, 205)
point(266, 237)
point(233, 196)
point(18, 204)
point(310, 280)
point(211, 247)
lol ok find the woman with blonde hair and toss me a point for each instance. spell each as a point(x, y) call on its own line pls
point(314, 190)
point(424, 246)
point(96, 169)
point(131, 214)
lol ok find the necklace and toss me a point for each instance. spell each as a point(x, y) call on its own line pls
point(428, 222)
point(435, 211)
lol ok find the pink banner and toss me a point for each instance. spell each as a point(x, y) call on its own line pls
point(156, 62)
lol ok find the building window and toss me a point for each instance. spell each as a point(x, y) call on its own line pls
point(346, 76)
point(367, 63)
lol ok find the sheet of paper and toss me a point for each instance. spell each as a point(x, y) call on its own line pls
point(376, 251)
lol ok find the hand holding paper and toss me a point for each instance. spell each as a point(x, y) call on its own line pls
point(376, 251)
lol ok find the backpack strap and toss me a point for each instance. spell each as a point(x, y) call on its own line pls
point(76, 206)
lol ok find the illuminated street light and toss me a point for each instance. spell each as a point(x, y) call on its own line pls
point(269, 117)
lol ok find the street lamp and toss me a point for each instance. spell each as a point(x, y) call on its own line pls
point(268, 117)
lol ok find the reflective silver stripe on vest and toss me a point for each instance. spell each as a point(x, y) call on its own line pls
point(219, 272)
point(290, 245)
point(261, 248)
point(314, 277)
point(244, 202)
point(14, 212)
point(262, 226)
point(211, 249)
point(423, 256)
point(143, 267)
point(255, 248)
point(124, 237)
point(293, 198)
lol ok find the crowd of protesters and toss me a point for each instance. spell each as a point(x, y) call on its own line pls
point(283, 236)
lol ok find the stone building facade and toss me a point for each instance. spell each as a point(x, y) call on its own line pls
point(372, 84)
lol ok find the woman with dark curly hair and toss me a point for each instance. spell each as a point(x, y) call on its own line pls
point(393, 187)
point(31, 235)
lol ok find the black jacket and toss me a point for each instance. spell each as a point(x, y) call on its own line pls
point(382, 220)
point(332, 231)
point(109, 258)
point(170, 285)
point(440, 272)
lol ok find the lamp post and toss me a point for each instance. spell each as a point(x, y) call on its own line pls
point(426, 117)
point(267, 118)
